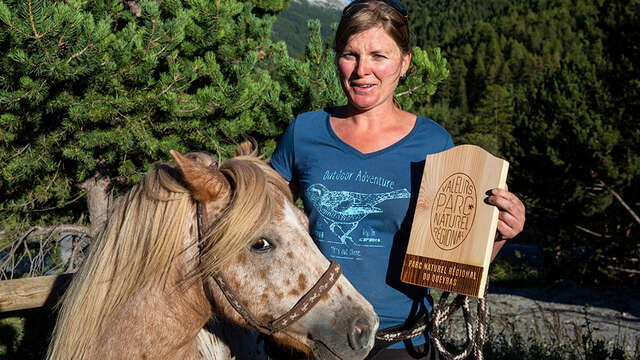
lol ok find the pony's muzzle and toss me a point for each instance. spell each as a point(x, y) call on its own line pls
point(361, 334)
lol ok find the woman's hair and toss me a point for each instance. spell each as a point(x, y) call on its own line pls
point(364, 15)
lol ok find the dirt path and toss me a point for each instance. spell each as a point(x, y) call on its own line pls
point(560, 311)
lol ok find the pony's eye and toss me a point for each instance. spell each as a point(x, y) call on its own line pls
point(261, 245)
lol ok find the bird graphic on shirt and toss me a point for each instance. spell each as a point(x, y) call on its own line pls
point(343, 210)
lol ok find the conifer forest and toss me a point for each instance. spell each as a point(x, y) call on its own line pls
point(93, 93)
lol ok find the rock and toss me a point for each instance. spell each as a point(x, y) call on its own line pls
point(559, 312)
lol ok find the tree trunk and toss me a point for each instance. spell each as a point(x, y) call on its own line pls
point(99, 200)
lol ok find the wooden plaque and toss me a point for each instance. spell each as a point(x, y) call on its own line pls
point(453, 228)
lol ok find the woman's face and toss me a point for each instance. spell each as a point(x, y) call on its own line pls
point(370, 66)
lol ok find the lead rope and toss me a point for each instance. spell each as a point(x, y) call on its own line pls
point(443, 312)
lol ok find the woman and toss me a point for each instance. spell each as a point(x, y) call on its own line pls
point(358, 167)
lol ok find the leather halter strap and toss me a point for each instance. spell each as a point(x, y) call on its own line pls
point(298, 310)
point(306, 302)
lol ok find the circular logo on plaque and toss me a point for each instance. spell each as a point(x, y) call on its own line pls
point(453, 211)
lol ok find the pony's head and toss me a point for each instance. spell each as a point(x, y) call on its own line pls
point(152, 278)
point(258, 240)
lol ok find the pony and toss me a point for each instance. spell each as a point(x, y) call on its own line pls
point(174, 248)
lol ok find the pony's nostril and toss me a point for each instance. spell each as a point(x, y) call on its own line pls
point(359, 336)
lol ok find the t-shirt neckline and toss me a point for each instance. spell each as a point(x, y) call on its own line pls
point(357, 152)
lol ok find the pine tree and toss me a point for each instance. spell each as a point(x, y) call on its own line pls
point(93, 93)
point(569, 93)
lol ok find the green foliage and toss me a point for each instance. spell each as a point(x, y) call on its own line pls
point(551, 86)
point(24, 335)
point(426, 72)
point(581, 344)
point(310, 82)
point(97, 88)
point(89, 87)
point(508, 273)
point(93, 88)
point(292, 23)
point(548, 337)
point(12, 334)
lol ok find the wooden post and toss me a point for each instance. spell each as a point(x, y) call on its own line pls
point(27, 293)
point(453, 228)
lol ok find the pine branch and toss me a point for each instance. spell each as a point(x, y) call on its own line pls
point(621, 201)
point(175, 80)
point(26, 204)
point(591, 232)
point(241, 105)
point(76, 198)
point(630, 271)
point(33, 25)
point(27, 93)
point(153, 31)
point(61, 40)
point(24, 148)
point(16, 29)
point(410, 91)
point(134, 127)
point(79, 53)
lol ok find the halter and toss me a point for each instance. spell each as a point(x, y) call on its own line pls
point(304, 304)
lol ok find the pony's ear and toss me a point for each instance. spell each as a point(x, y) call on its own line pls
point(247, 148)
point(206, 183)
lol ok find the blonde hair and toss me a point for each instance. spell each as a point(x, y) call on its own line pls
point(140, 241)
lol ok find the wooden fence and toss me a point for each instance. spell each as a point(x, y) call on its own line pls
point(28, 293)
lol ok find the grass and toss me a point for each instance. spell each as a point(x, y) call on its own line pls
point(11, 334)
point(548, 337)
point(24, 335)
point(518, 348)
point(586, 345)
point(554, 341)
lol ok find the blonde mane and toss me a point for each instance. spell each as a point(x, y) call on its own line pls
point(144, 234)
point(253, 199)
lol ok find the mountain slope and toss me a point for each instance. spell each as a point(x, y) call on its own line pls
point(335, 4)
point(291, 25)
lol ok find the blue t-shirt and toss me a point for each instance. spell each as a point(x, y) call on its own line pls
point(360, 206)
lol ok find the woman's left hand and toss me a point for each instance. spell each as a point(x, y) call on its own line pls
point(512, 212)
